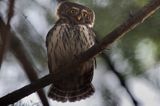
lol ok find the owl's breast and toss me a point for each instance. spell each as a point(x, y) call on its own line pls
point(67, 41)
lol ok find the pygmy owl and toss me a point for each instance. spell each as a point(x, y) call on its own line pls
point(71, 35)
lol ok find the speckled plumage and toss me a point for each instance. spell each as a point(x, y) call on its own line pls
point(67, 39)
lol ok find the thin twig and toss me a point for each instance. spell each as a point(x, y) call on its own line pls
point(131, 23)
point(120, 77)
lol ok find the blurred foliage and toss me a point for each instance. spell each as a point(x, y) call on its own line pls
point(111, 13)
point(117, 11)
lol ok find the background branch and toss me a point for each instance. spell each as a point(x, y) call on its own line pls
point(19, 52)
point(120, 77)
point(133, 21)
point(5, 33)
point(10, 11)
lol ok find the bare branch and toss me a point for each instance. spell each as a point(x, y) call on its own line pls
point(120, 77)
point(131, 23)
point(19, 94)
point(5, 34)
point(10, 11)
point(18, 50)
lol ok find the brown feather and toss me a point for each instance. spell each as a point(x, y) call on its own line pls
point(64, 42)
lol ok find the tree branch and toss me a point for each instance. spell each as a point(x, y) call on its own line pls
point(5, 38)
point(19, 52)
point(131, 23)
point(120, 77)
point(10, 11)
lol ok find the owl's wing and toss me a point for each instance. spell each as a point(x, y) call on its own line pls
point(50, 39)
point(51, 44)
point(96, 40)
point(51, 31)
point(49, 36)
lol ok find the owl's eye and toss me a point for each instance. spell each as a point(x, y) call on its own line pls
point(84, 14)
point(73, 11)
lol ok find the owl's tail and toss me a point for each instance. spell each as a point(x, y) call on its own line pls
point(74, 95)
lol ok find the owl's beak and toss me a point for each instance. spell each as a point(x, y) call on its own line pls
point(79, 17)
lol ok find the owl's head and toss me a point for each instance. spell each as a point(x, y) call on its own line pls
point(76, 13)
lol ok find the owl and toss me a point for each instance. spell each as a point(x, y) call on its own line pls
point(71, 35)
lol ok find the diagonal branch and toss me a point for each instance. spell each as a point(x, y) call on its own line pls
point(19, 52)
point(131, 23)
point(31, 73)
